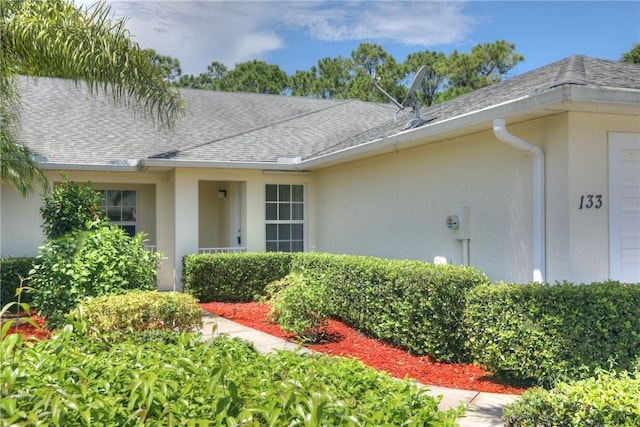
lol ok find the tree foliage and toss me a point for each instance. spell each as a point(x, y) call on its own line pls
point(56, 38)
point(350, 77)
point(633, 55)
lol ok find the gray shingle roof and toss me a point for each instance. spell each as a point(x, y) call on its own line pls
point(68, 125)
point(574, 70)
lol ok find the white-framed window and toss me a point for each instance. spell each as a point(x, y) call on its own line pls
point(120, 208)
point(285, 224)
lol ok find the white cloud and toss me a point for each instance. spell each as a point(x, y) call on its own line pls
point(199, 32)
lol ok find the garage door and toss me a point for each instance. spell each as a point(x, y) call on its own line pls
point(624, 206)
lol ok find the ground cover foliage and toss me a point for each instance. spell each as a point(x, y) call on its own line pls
point(162, 378)
point(606, 399)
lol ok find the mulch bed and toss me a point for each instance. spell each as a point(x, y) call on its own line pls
point(347, 342)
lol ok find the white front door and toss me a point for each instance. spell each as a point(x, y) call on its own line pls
point(624, 207)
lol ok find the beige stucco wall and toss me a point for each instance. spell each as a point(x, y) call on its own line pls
point(588, 255)
point(396, 205)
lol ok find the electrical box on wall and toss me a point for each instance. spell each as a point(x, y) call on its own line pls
point(458, 221)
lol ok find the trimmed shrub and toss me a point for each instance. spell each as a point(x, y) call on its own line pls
point(142, 310)
point(89, 264)
point(301, 304)
point(542, 333)
point(240, 277)
point(11, 270)
point(608, 399)
point(410, 304)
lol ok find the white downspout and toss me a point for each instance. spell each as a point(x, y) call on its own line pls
point(499, 128)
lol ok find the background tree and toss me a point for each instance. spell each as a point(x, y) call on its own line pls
point(435, 77)
point(255, 76)
point(633, 55)
point(487, 64)
point(57, 39)
point(169, 66)
point(372, 61)
point(333, 77)
point(303, 83)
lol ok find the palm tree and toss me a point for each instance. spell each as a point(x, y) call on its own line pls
point(55, 38)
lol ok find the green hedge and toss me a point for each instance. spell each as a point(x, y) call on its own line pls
point(240, 277)
point(608, 399)
point(543, 332)
point(11, 269)
point(410, 304)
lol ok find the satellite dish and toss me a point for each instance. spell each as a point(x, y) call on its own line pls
point(410, 100)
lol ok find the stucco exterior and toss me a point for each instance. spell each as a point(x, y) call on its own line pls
point(395, 205)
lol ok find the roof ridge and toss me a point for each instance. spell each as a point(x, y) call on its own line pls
point(254, 129)
point(572, 72)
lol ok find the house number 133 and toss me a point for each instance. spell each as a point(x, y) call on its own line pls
point(590, 201)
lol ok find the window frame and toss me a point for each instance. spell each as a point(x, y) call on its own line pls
point(285, 211)
point(125, 224)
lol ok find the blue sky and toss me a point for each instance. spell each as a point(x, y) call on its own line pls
point(296, 34)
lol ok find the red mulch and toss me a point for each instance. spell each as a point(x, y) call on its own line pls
point(28, 330)
point(350, 343)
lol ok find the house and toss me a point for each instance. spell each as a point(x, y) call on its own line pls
point(533, 178)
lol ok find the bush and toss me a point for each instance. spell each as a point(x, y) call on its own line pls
point(13, 275)
point(142, 310)
point(70, 380)
point(608, 399)
point(70, 207)
point(410, 304)
point(233, 277)
point(89, 264)
point(542, 333)
point(300, 303)
point(413, 305)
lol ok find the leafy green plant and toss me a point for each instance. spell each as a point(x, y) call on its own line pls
point(13, 274)
point(89, 264)
point(240, 277)
point(607, 399)
point(142, 310)
point(74, 380)
point(543, 333)
point(300, 304)
point(70, 207)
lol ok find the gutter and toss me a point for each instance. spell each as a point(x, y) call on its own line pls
point(539, 252)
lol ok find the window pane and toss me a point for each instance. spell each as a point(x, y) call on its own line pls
point(129, 199)
point(297, 231)
point(114, 214)
point(284, 232)
point(297, 211)
point(285, 193)
point(272, 231)
point(298, 193)
point(114, 197)
point(272, 211)
point(128, 214)
point(272, 246)
point(272, 193)
point(284, 211)
point(297, 246)
point(284, 246)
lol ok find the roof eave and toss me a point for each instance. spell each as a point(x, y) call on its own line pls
point(551, 101)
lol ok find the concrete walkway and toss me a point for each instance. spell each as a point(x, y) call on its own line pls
point(483, 409)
